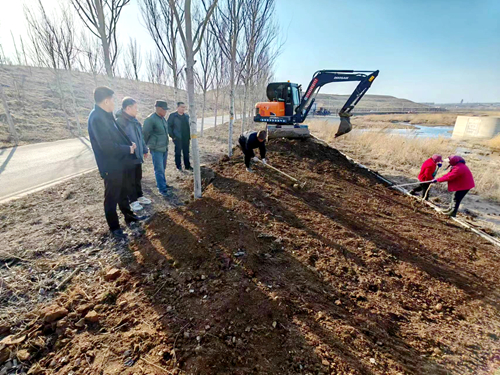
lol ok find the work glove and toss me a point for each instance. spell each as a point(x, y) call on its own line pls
point(264, 161)
point(255, 159)
point(434, 181)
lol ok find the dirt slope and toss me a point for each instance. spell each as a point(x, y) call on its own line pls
point(342, 277)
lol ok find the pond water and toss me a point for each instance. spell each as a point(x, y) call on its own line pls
point(420, 131)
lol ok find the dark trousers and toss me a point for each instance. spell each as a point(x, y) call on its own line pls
point(423, 188)
point(134, 178)
point(182, 147)
point(456, 199)
point(249, 154)
point(116, 187)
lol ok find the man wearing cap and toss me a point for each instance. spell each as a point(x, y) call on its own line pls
point(155, 132)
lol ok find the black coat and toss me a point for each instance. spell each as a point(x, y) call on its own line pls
point(178, 126)
point(110, 143)
point(249, 141)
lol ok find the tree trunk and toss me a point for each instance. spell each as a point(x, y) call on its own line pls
point(63, 104)
point(176, 84)
point(231, 108)
point(192, 102)
point(104, 39)
point(244, 118)
point(12, 129)
point(223, 102)
point(203, 112)
point(74, 103)
point(216, 106)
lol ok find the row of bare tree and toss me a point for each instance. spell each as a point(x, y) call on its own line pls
point(224, 46)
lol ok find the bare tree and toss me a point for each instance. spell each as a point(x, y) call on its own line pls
point(12, 129)
point(192, 44)
point(260, 33)
point(227, 25)
point(218, 62)
point(18, 60)
point(159, 18)
point(205, 76)
point(53, 41)
point(134, 58)
point(101, 18)
point(89, 57)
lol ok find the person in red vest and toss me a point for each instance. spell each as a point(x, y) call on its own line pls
point(427, 173)
point(460, 181)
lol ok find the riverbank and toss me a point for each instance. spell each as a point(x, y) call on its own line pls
point(399, 158)
point(428, 119)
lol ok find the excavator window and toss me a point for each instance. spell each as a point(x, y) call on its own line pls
point(296, 97)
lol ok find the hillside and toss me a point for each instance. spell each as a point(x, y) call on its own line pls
point(35, 105)
point(344, 276)
point(369, 102)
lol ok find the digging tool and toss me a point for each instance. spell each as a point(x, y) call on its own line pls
point(301, 184)
point(413, 183)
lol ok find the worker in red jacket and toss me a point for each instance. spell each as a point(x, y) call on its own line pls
point(460, 181)
point(427, 172)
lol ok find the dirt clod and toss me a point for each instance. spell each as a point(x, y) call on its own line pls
point(112, 274)
point(53, 313)
point(92, 316)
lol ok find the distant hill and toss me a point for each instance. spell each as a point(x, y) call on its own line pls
point(369, 102)
point(35, 104)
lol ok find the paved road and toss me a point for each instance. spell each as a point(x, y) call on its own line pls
point(30, 168)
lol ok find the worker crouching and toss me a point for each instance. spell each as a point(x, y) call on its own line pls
point(460, 182)
point(251, 140)
point(428, 171)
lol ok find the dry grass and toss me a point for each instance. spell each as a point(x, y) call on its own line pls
point(494, 143)
point(406, 154)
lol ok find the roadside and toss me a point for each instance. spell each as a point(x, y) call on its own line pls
point(399, 158)
point(25, 169)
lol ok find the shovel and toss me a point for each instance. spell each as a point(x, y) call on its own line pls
point(300, 184)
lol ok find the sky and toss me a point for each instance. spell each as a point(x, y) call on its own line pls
point(438, 51)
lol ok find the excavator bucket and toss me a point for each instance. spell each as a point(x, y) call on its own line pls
point(344, 127)
point(288, 131)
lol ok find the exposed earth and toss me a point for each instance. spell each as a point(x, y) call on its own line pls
point(260, 276)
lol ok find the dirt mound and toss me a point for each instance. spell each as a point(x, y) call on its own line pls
point(343, 276)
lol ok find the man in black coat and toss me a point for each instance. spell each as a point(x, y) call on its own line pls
point(179, 131)
point(251, 140)
point(126, 117)
point(114, 154)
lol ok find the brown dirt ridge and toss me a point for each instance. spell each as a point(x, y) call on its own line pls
point(343, 276)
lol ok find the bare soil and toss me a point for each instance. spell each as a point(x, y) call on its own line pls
point(343, 276)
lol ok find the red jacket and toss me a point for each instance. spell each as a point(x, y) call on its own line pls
point(427, 170)
point(459, 178)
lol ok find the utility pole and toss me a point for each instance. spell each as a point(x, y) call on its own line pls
point(12, 129)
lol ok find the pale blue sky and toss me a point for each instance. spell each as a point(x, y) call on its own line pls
point(426, 50)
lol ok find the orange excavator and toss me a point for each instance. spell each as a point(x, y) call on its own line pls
point(287, 108)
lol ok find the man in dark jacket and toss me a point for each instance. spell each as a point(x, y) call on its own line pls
point(178, 128)
point(156, 136)
point(126, 117)
point(248, 142)
point(114, 153)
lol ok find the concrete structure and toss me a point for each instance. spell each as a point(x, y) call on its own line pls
point(484, 127)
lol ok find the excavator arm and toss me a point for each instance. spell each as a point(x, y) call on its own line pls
point(323, 77)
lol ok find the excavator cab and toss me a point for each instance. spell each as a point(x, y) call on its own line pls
point(288, 108)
